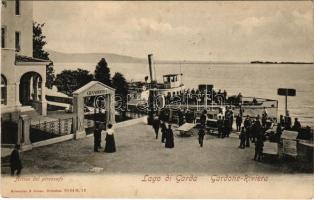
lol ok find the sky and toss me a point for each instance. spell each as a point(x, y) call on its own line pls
point(207, 30)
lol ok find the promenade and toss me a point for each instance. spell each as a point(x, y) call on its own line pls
point(138, 152)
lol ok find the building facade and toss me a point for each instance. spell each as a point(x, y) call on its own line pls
point(23, 77)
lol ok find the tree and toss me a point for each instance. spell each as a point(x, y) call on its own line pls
point(70, 80)
point(102, 72)
point(39, 52)
point(50, 75)
point(121, 86)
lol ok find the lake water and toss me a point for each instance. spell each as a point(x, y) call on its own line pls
point(257, 80)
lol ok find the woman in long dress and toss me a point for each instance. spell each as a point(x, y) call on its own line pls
point(169, 138)
point(110, 143)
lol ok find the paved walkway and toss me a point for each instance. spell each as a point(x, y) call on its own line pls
point(139, 152)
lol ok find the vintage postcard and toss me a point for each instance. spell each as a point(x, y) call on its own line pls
point(157, 99)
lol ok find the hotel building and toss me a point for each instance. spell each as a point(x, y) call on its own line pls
point(23, 77)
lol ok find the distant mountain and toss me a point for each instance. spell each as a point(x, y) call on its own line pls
point(271, 62)
point(59, 57)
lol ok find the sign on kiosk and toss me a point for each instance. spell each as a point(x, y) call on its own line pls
point(96, 92)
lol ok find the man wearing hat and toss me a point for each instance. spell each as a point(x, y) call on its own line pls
point(201, 135)
point(15, 161)
point(97, 136)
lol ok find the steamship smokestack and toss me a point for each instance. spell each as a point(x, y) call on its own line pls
point(151, 92)
point(151, 68)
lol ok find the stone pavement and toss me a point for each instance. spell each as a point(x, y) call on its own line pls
point(139, 152)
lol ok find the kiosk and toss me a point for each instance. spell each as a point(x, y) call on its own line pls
point(92, 89)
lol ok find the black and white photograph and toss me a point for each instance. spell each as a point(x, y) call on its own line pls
point(157, 99)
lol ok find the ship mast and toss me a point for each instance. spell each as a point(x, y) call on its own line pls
point(180, 75)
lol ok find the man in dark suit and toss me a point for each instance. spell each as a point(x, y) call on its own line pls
point(297, 125)
point(288, 122)
point(156, 125)
point(220, 123)
point(181, 117)
point(203, 118)
point(239, 122)
point(248, 129)
point(256, 129)
point(15, 161)
point(163, 131)
point(201, 135)
point(97, 136)
point(259, 144)
point(226, 128)
point(242, 138)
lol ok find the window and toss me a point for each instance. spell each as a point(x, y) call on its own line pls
point(17, 41)
point(3, 90)
point(17, 7)
point(3, 35)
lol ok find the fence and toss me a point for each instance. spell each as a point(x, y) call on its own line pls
point(50, 129)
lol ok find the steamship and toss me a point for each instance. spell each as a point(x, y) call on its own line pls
point(172, 85)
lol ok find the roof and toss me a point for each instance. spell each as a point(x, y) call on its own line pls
point(20, 58)
point(64, 105)
point(54, 92)
point(91, 84)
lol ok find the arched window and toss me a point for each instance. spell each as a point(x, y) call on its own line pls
point(3, 90)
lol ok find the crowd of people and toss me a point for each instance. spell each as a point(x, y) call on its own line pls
point(198, 96)
point(286, 123)
point(187, 116)
point(254, 131)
